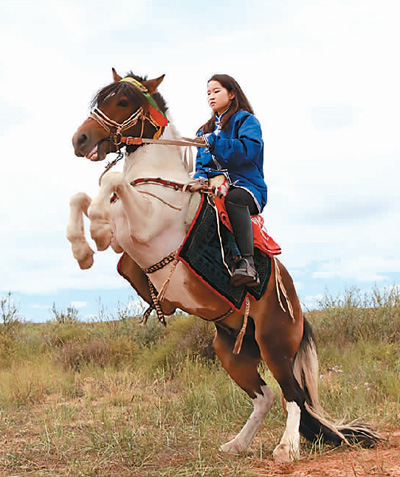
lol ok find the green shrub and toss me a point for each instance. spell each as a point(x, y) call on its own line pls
point(58, 334)
point(149, 334)
point(69, 315)
point(78, 346)
point(184, 336)
point(10, 329)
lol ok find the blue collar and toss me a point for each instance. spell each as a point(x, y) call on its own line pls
point(218, 119)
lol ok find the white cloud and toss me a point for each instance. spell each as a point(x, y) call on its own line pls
point(370, 268)
point(38, 306)
point(79, 304)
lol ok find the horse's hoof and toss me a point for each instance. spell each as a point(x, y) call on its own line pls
point(102, 239)
point(84, 255)
point(102, 244)
point(232, 447)
point(86, 263)
point(116, 246)
point(100, 231)
point(283, 453)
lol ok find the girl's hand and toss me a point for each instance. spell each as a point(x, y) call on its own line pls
point(200, 140)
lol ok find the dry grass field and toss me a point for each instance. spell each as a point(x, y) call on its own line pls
point(113, 398)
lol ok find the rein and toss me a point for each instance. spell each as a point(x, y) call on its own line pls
point(184, 141)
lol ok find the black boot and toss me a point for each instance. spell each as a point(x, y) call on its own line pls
point(244, 272)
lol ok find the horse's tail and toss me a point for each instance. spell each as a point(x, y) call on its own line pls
point(315, 423)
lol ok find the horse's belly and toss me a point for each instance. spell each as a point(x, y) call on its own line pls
point(188, 292)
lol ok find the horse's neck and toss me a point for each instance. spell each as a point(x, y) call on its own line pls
point(154, 234)
point(154, 160)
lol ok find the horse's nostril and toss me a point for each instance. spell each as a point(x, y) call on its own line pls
point(82, 139)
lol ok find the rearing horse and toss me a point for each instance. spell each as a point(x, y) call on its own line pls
point(143, 211)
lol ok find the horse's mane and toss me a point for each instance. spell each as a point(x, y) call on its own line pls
point(127, 89)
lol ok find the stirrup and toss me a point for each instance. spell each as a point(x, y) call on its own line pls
point(245, 274)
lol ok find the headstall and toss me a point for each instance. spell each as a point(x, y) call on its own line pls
point(109, 124)
point(115, 129)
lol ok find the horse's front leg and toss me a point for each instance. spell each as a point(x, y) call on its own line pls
point(81, 250)
point(242, 368)
point(100, 212)
point(261, 405)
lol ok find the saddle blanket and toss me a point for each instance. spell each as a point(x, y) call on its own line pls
point(210, 247)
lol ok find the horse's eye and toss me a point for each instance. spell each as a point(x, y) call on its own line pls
point(123, 103)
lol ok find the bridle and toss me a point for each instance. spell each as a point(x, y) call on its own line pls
point(115, 129)
point(154, 116)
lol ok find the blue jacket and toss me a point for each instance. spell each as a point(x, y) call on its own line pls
point(238, 153)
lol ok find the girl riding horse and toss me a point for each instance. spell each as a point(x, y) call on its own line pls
point(235, 150)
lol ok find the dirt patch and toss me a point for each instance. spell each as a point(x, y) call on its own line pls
point(383, 460)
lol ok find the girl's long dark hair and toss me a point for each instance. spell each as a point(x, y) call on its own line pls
point(239, 102)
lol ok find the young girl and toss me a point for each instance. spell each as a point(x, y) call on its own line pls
point(235, 149)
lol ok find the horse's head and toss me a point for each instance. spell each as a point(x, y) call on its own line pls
point(128, 106)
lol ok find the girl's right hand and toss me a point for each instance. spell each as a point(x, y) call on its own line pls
point(200, 140)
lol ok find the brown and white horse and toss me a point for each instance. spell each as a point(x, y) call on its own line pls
point(146, 220)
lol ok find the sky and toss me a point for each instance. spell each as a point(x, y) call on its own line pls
point(323, 78)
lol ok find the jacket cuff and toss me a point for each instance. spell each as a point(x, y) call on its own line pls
point(209, 139)
point(200, 175)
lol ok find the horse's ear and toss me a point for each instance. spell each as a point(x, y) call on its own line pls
point(153, 84)
point(116, 76)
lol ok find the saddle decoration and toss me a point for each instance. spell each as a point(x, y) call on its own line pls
point(156, 115)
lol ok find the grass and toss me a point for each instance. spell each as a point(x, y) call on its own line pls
point(113, 398)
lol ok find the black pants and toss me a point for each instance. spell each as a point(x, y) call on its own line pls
point(239, 196)
point(240, 206)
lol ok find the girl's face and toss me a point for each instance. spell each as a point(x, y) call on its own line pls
point(219, 98)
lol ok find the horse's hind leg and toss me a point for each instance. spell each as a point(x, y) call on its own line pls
point(279, 334)
point(242, 368)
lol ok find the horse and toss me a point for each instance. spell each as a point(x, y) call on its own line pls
point(143, 211)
